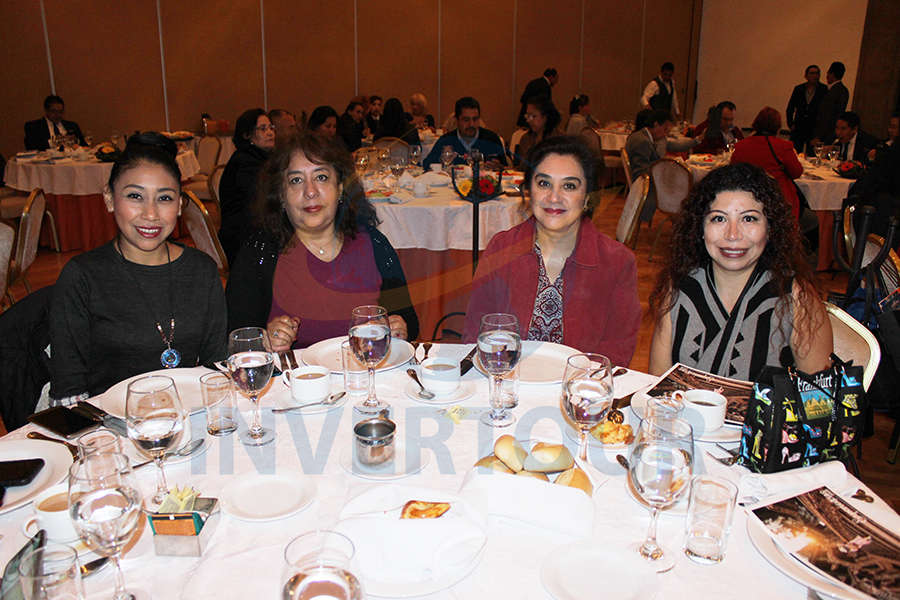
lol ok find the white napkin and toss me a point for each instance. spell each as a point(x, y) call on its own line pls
point(557, 507)
point(406, 180)
point(400, 197)
point(392, 550)
point(763, 486)
point(434, 178)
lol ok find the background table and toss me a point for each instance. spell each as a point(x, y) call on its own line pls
point(74, 192)
point(244, 559)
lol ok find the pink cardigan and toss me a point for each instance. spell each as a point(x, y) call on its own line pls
point(601, 311)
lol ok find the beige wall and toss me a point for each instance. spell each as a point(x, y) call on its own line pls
point(107, 65)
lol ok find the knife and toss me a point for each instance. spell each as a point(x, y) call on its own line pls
point(117, 424)
point(465, 365)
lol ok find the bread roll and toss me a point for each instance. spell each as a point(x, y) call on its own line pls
point(511, 452)
point(492, 462)
point(576, 478)
point(541, 476)
point(548, 458)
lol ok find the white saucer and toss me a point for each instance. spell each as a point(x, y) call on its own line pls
point(465, 391)
point(395, 469)
point(267, 497)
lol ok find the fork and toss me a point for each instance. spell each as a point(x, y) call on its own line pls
point(725, 461)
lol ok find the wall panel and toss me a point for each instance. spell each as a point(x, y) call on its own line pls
point(213, 59)
point(398, 50)
point(309, 53)
point(26, 77)
point(106, 63)
point(476, 59)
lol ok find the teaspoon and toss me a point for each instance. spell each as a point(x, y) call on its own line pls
point(423, 393)
point(332, 399)
point(185, 450)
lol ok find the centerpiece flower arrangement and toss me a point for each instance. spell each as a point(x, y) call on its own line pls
point(851, 169)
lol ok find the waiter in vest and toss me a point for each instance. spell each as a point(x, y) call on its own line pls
point(660, 92)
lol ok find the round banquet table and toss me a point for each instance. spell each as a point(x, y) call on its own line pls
point(244, 559)
point(74, 192)
point(433, 238)
point(824, 189)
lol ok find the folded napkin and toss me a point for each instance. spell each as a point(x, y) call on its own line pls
point(400, 197)
point(391, 550)
point(433, 178)
point(764, 486)
point(406, 180)
point(555, 507)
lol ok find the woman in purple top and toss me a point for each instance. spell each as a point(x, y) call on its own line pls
point(317, 253)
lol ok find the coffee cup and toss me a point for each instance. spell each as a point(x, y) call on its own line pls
point(440, 375)
point(51, 513)
point(420, 189)
point(704, 410)
point(310, 384)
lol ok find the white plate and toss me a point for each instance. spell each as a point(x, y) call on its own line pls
point(793, 568)
point(541, 362)
point(722, 435)
point(187, 382)
point(57, 461)
point(327, 353)
point(395, 469)
point(267, 497)
point(576, 572)
point(463, 392)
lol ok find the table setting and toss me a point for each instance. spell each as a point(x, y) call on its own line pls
point(516, 488)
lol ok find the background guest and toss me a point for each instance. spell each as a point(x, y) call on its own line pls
point(418, 111)
point(38, 132)
point(323, 121)
point(254, 138)
point(891, 140)
point(803, 108)
point(374, 112)
point(851, 142)
point(469, 135)
point(714, 139)
point(833, 104)
point(284, 122)
point(394, 123)
point(351, 124)
point(543, 122)
point(660, 93)
point(542, 86)
point(579, 115)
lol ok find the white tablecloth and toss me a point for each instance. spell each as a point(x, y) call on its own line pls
point(244, 559)
point(70, 177)
point(444, 222)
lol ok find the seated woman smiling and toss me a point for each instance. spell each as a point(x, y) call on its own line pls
point(317, 254)
point(564, 280)
point(140, 302)
point(736, 289)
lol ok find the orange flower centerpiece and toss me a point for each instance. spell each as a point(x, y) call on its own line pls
point(851, 169)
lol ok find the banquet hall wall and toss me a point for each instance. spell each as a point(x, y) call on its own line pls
point(222, 58)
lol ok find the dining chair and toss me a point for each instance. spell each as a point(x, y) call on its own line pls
point(514, 140)
point(215, 179)
point(12, 203)
point(853, 341)
point(7, 235)
point(200, 226)
point(27, 240)
point(629, 223)
point(601, 160)
point(672, 183)
point(626, 166)
point(209, 148)
point(889, 273)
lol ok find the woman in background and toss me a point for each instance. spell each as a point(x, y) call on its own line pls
point(543, 121)
point(579, 115)
point(323, 122)
point(393, 123)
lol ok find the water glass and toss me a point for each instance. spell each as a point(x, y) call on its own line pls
point(370, 340)
point(218, 399)
point(317, 565)
point(51, 572)
point(587, 394)
point(709, 516)
point(356, 376)
point(499, 350)
point(99, 441)
point(509, 389)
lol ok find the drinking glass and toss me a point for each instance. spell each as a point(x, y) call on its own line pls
point(415, 154)
point(384, 157)
point(499, 349)
point(660, 468)
point(317, 566)
point(99, 440)
point(362, 162)
point(818, 149)
point(251, 362)
point(587, 393)
point(370, 340)
point(709, 516)
point(155, 419)
point(218, 399)
point(105, 506)
point(447, 157)
point(398, 165)
point(51, 572)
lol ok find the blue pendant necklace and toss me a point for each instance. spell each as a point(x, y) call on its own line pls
point(170, 357)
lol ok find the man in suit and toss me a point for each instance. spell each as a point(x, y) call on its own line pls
point(660, 92)
point(713, 140)
point(833, 104)
point(644, 147)
point(851, 142)
point(803, 107)
point(469, 136)
point(374, 112)
point(38, 132)
point(542, 86)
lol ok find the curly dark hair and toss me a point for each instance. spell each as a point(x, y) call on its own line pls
point(782, 256)
point(354, 210)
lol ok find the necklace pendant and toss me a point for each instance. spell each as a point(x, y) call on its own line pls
point(170, 358)
point(321, 250)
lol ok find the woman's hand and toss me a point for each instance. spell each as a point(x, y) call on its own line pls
point(282, 332)
point(398, 327)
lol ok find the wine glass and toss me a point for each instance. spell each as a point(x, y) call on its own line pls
point(587, 393)
point(362, 162)
point(105, 507)
point(370, 340)
point(155, 419)
point(818, 150)
point(251, 362)
point(384, 157)
point(660, 468)
point(499, 349)
point(415, 153)
point(448, 155)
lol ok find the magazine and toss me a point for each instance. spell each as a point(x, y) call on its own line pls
point(681, 377)
point(825, 533)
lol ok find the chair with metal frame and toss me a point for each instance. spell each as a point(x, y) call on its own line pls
point(629, 221)
point(672, 182)
point(7, 237)
point(12, 203)
point(209, 149)
point(200, 226)
point(626, 166)
point(27, 240)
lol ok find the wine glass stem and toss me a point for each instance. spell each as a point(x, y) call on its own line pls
point(162, 488)
point(372, 400)
point(582, 446)
point(650, 549)
point(497, 397)
point(256, 423)
point(121, 593)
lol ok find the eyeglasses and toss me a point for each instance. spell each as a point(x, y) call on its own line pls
point(531, 116)
point(265, 128)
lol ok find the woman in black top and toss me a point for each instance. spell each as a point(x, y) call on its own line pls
point(140, 302)
point(254, 138)
point(394, 123)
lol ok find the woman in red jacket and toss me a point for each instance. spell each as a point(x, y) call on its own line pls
point(774, 155)
point(564, 280)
